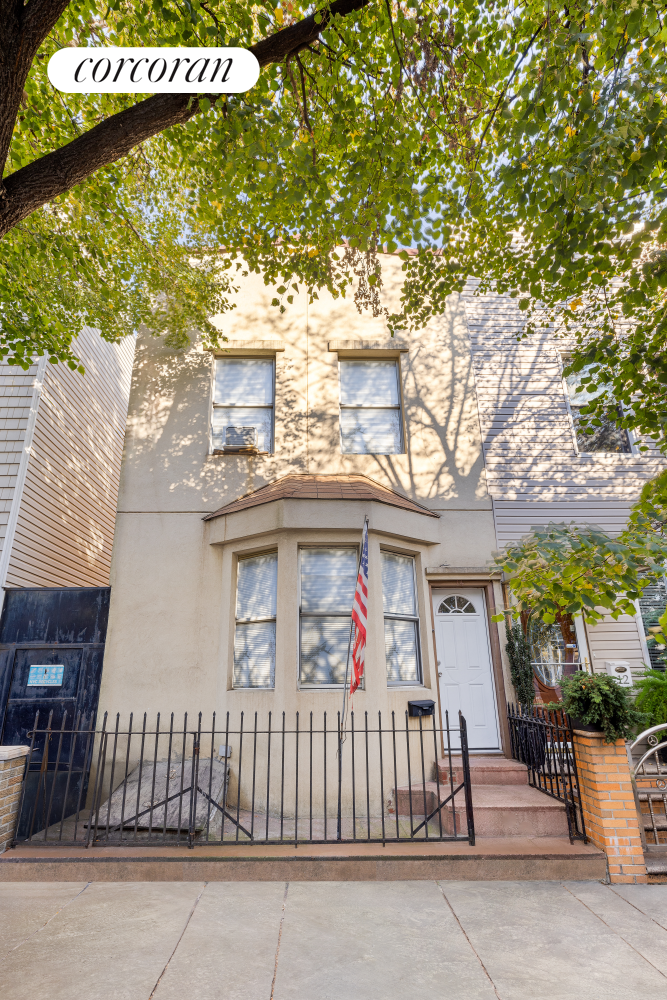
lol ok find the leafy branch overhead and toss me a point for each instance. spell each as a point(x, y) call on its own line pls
point(522, 145)
point(574, 568)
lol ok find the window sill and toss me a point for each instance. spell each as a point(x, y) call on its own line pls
point(242, 453)
point(407, 687)
point(325, 687)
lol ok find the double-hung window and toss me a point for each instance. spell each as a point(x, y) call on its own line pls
point(401, 619)
point(243, 404)
point(604, 434)
point(255, 633)
point(370, 408)
point(328, 577)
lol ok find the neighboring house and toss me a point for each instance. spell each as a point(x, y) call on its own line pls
point(540, 469)
point(246, 479)
point(61, 438)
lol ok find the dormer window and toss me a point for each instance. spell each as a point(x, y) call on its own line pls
point(243, 403)
point(606, 436)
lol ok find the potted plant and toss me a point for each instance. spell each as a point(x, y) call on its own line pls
point(598, 703)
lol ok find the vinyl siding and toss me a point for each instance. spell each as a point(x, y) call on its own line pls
point(534, 471)
point(16, 392)
point(616, 640)
point(65, 527)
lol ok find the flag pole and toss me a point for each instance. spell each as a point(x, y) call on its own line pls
point(341, 728)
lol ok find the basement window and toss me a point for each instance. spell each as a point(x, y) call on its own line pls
point(328, 577)
point(370, 408)
point(401, 619)
point(243, 404)
point(255, 632)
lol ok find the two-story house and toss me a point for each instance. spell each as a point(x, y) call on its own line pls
point(246, 478)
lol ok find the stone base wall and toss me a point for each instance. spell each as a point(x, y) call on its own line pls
point(608, 801)
point(12, 766)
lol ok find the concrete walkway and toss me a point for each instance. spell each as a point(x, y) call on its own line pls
point(332, 941)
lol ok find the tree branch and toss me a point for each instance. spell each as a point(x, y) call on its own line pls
point(39, 182)
point(22, 31)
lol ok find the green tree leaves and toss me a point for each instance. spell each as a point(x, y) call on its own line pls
point(522, 145)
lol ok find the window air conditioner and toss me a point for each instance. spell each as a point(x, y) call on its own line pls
point(240, 438)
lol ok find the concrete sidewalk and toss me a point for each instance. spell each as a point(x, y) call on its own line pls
point(332, 941)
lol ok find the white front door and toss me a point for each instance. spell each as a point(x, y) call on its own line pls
point(464, 667)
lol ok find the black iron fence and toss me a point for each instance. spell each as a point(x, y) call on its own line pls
point(542, 740)
point(246, 782)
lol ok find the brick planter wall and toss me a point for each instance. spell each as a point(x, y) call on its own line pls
point(12, 765)
point(610, 813)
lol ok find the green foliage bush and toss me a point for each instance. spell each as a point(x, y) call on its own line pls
point(518, 651)
point(652, 696)
point(599, 700)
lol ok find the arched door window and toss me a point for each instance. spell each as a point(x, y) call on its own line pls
point(456, 605)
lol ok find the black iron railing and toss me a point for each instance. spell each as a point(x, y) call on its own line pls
point(542, 740)
point(242, 782)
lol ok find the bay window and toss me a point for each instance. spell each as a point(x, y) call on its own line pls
point(401, 619)
point(328, 577)
point(255, 631)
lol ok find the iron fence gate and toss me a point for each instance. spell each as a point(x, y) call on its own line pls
point(542, 740)
point(248, 783)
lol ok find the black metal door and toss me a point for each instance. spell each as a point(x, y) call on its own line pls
point(51, 656)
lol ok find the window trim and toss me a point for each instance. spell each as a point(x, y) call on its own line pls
point(568, 402)
point(242, 406)
point(238, 558)
point(371, 406)
point(304, 685)
point(419, 682)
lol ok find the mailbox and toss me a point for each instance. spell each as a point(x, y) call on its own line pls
point(416, 708)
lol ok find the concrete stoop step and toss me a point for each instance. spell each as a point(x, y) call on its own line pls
point(494, 859)
point(504, 805)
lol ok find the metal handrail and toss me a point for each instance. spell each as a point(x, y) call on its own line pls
point(653, 822)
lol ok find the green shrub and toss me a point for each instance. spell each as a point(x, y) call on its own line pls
point(599, 700)
point(652, 696)
point(518, 652)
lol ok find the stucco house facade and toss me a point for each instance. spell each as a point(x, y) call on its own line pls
point(246, 478)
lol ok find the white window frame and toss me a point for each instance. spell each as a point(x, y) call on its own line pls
point(573, 429)
point(366, 406)
point(419, 682)
point(251, 621)
point(304, 685)
point(243, 406)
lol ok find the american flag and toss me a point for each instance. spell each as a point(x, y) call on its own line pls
point(359, 616)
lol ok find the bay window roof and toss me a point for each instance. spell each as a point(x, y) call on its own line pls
point(319, 487)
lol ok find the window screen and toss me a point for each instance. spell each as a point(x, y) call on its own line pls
point(328, 580)
point(255, 635)
point(607, 436)
point(243, 404)
point(401, 620)
point(370, 408)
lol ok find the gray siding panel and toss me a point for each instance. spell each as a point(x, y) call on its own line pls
point(16, 392)
point(65, 528)
point(534, 471)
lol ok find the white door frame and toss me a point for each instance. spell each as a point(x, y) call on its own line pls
point(493, 641)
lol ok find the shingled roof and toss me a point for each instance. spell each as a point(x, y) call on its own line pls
point(353, 487)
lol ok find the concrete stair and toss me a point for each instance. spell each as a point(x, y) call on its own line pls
point(504, 805)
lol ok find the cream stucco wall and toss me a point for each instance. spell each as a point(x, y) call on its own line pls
point(171, 626)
